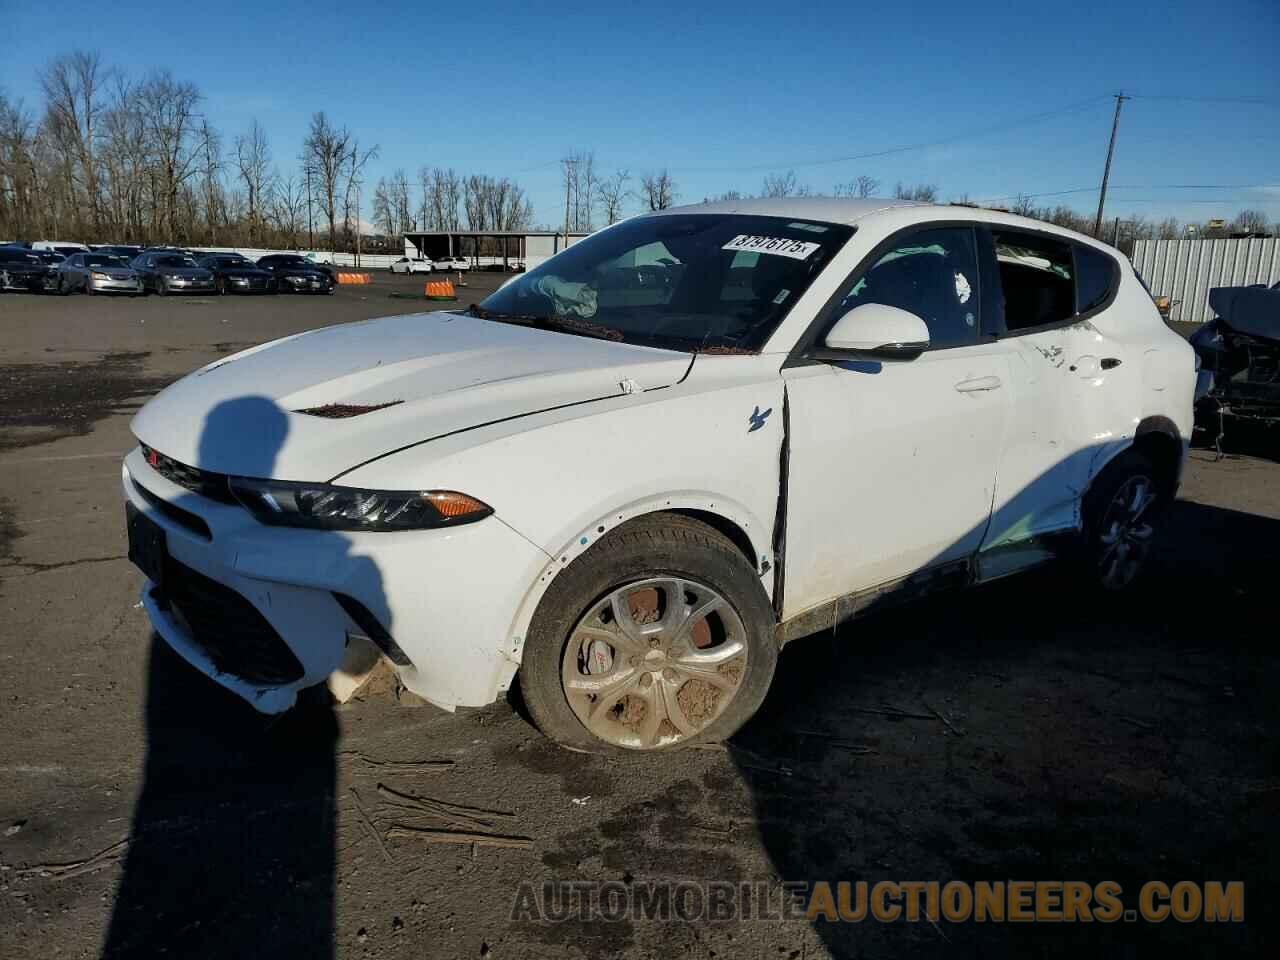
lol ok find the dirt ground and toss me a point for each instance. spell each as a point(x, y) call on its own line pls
point(1021, 731)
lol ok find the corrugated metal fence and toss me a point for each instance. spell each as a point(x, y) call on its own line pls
point(1185, 270)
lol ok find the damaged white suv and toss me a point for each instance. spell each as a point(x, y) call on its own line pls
point(632, 474)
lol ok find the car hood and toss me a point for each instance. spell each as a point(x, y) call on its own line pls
point(380, 385)
point(253, 273)
point(187, 273)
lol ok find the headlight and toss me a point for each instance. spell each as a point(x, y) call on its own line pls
point(174, 276)
point(324, 507)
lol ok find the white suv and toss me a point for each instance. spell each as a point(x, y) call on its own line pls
point(631, 475)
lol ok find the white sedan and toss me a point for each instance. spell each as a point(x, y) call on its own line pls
point(631, 475)
point(413, 265)
point(453, 264)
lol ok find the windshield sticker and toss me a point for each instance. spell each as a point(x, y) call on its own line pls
point(811, 227)
point(778, 246)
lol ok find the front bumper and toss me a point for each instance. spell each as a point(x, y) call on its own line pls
point(115, 286)
point(447, 598)
point(249, 285)
point(307, 284)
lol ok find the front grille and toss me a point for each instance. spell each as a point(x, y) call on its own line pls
point(204, 482)
point(228, 628)
point(183, 518)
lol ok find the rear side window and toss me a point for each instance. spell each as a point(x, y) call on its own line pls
point(1096, 277)
point(1037, 277)
point(933, 274)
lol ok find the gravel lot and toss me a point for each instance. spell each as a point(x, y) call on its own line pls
point(1022, 731)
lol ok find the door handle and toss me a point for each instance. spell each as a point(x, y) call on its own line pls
point(1109, 363)
point(978, 384)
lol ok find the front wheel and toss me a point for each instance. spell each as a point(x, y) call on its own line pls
point(162, 288)
point(658, 637)
point(1122, 512)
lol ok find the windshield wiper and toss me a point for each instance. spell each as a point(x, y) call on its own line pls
point(582, 328)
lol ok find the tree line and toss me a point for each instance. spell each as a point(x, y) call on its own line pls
point(109, 158)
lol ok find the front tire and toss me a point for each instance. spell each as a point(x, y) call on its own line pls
point(658, 637)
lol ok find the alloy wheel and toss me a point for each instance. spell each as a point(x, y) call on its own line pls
point(654, 662)
point(1126, 533)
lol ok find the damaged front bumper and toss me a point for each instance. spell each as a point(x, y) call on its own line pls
point(268, 611)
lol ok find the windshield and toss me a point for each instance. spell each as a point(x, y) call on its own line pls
point(99, 260)
point(683, 281)
point(231, 261)
point(174, 260)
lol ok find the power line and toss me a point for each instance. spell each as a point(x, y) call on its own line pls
point(1151, 186)
point(904, 148)
point(1244, 101)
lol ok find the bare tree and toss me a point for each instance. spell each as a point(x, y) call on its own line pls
point(783, 185)
point(326, 151)
point(924, 192)
point(167, 108)
point(613, 194)
point(659, 190)
point(253, 160)
point(288, 209)
point(71, 85)
point(1249, 221)
point(1023, 206)
point(581, 188)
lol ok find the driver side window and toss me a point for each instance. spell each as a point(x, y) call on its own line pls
point(931, 273)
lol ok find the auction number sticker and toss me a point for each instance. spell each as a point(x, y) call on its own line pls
point(779, 246)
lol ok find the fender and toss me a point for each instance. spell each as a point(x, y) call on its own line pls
point(578, 542)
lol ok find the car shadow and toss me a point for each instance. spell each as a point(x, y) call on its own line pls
point(1031, 730)
point(232, 843)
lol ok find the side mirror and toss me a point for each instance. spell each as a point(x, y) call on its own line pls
point(876, 331)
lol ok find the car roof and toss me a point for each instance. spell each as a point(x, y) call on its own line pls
point(827, 209)
point(835, 210)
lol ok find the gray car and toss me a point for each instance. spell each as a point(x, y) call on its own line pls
point(172, 273)
point(97, 273)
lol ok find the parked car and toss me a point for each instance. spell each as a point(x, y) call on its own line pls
point(25, 269)
point(234, 273)
point(97, 273)
point(327, 266)
point(124, 251)
point(453, 264)
point(1239, 357)
point(297, 274)
point(412, 265)
point(65, 248)
point(166, 273)
point(627, 498)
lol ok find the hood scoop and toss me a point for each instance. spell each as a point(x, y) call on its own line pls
point(341, 411)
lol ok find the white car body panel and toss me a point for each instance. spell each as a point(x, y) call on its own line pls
point(955, 455)
point(448, 372)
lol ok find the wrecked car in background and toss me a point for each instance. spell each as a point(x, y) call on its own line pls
point(1239, 358)
point(628, 476)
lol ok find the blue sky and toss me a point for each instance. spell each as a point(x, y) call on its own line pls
point(724, 93)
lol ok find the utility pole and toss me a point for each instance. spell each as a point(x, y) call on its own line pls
point(568, 181)
point(1106, 171)
point(311, 227)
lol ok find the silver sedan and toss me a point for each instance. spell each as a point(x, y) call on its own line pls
point(97, 273)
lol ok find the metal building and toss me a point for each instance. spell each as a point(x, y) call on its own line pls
point(482, 247)
point(1185, 270)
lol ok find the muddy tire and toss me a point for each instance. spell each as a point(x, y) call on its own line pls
point(1122, 512)
point(604, 673)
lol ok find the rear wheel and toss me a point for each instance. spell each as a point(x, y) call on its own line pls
point(658, 637)
point(1122, 512)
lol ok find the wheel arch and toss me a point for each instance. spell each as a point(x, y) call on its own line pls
point(1157, 437)
point(750, 535)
